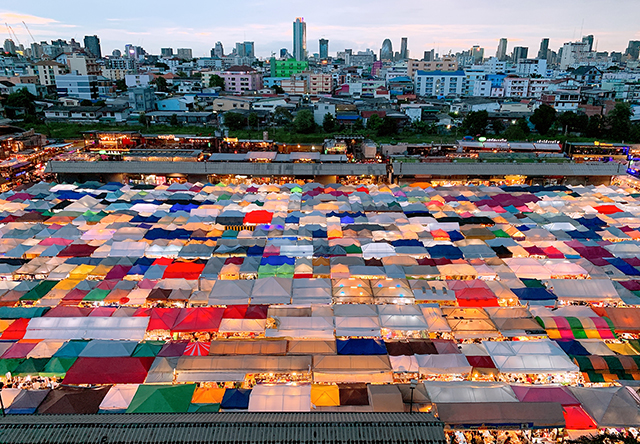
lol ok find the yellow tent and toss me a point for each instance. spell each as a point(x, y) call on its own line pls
point(207, 395)
point(325, 395)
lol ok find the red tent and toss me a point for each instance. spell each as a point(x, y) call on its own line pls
point(256, 312)
point(16, 330)
point(184, 270)
point(75, 295)
point(112, 370)
point(163, 261)
point(235, 312)
point(577, 419)
point(608, 209)
point(103, 311)
point(481, 361)
point(197, 349)
point(476, 297)
point(67, 311)
point(198, 319)
point(258, 217)
point(77, 250)
point(160, 318)
point(19, 350)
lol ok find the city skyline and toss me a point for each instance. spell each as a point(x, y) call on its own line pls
point(428, 25)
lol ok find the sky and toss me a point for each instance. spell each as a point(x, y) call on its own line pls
point(444, 25)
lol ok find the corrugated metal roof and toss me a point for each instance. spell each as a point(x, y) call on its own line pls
point(230, 427)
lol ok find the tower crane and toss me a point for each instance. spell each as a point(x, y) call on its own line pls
point(11, 31)
point(27, 28)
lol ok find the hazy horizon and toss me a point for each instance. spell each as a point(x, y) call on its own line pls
point(357, 24)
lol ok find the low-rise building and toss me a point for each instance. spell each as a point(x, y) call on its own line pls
point(287, 68)
point(240, 79)
point(230, 103)
point(183, 117)
point(446, 63)
point(81, 87)
point(47, 70)
point(439, 83)
point(319, 83)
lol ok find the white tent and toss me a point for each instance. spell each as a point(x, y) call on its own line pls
point(452, 363)
point(401, 364)
point(528, 268)
point(315, 327)
point(230, 292)
point(609, 406)
point(128, 249)
point(271, 290)
point(402, 317)
point(357, 326)
point(469, 391)
point(242, 325)
point(601, 290)
point(133, 328)
point(543, 356)
point(436, 321)
point(280, 398)
point(346, 368)
point(119, 397)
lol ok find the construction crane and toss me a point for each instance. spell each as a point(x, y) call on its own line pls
point(10, 29)
point(27, 28)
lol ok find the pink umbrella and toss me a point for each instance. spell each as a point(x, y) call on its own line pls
point(197, 349)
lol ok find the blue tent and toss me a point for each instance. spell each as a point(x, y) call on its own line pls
point(27, 402)
point(534, 294)
point(361, 347)
point(236, 399)
point(446, 251)
point(572, 347)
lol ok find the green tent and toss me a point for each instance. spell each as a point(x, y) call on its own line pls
point(204, 408)
point(147, 349)
point(39, 291)
point(31, 366)
point(501, 233)
point(57, 367)
point(9, 365)
point(22, 312)
point(97, 294)
point(162, 399)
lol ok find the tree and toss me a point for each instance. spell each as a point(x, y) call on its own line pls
point(173, 120)
point(475, 123)
point(388, 127)
point(253, 120)
point(215, 81)
point(543, 118)
point(86, 102)
point(101, 103)
point(182, 74)
point(234, 121)
point(517, 131)
point(21, 102)
point(595, 126)
point(374, 122)
point(163, 66)
point(619, 121)
point(278, 89)
point(161, 83)
point(143, 119)
point(572, 122)
point(357, 125)
point(121, 85)
point(329, 123)
point(282, 116)
point(498, 126)
point(304, 122)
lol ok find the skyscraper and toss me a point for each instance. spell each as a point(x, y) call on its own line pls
point(477, 53)
point(166, 52)
point(386, 52)
point(92, 44)
point(519, 53)
point(300, 39)
point(501, 53)
point(544, 49)
point(588, 39)
point(633, 49)
point(218, 50)
point(404, 52)
point(324, 49)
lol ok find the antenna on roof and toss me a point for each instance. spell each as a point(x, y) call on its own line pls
point(581, 27)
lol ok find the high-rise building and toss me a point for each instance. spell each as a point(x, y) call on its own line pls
point(386, 52)
point(544, 49)
point(36, 50)
point(184, 53)
point(633, 50)
point(300, 39)
point(588, 39)
point(478, 54)
point(166, 52)
point(92, 44)
point(404, 52)
point(429, 56)
point(218, 50)
point(9, 46)
point(501, 53)
point(520, 53)
point(284, 53)
point(324, 48)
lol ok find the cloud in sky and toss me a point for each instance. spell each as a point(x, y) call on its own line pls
point(355, 24)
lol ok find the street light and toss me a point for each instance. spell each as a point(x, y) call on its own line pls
point(412, 387)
